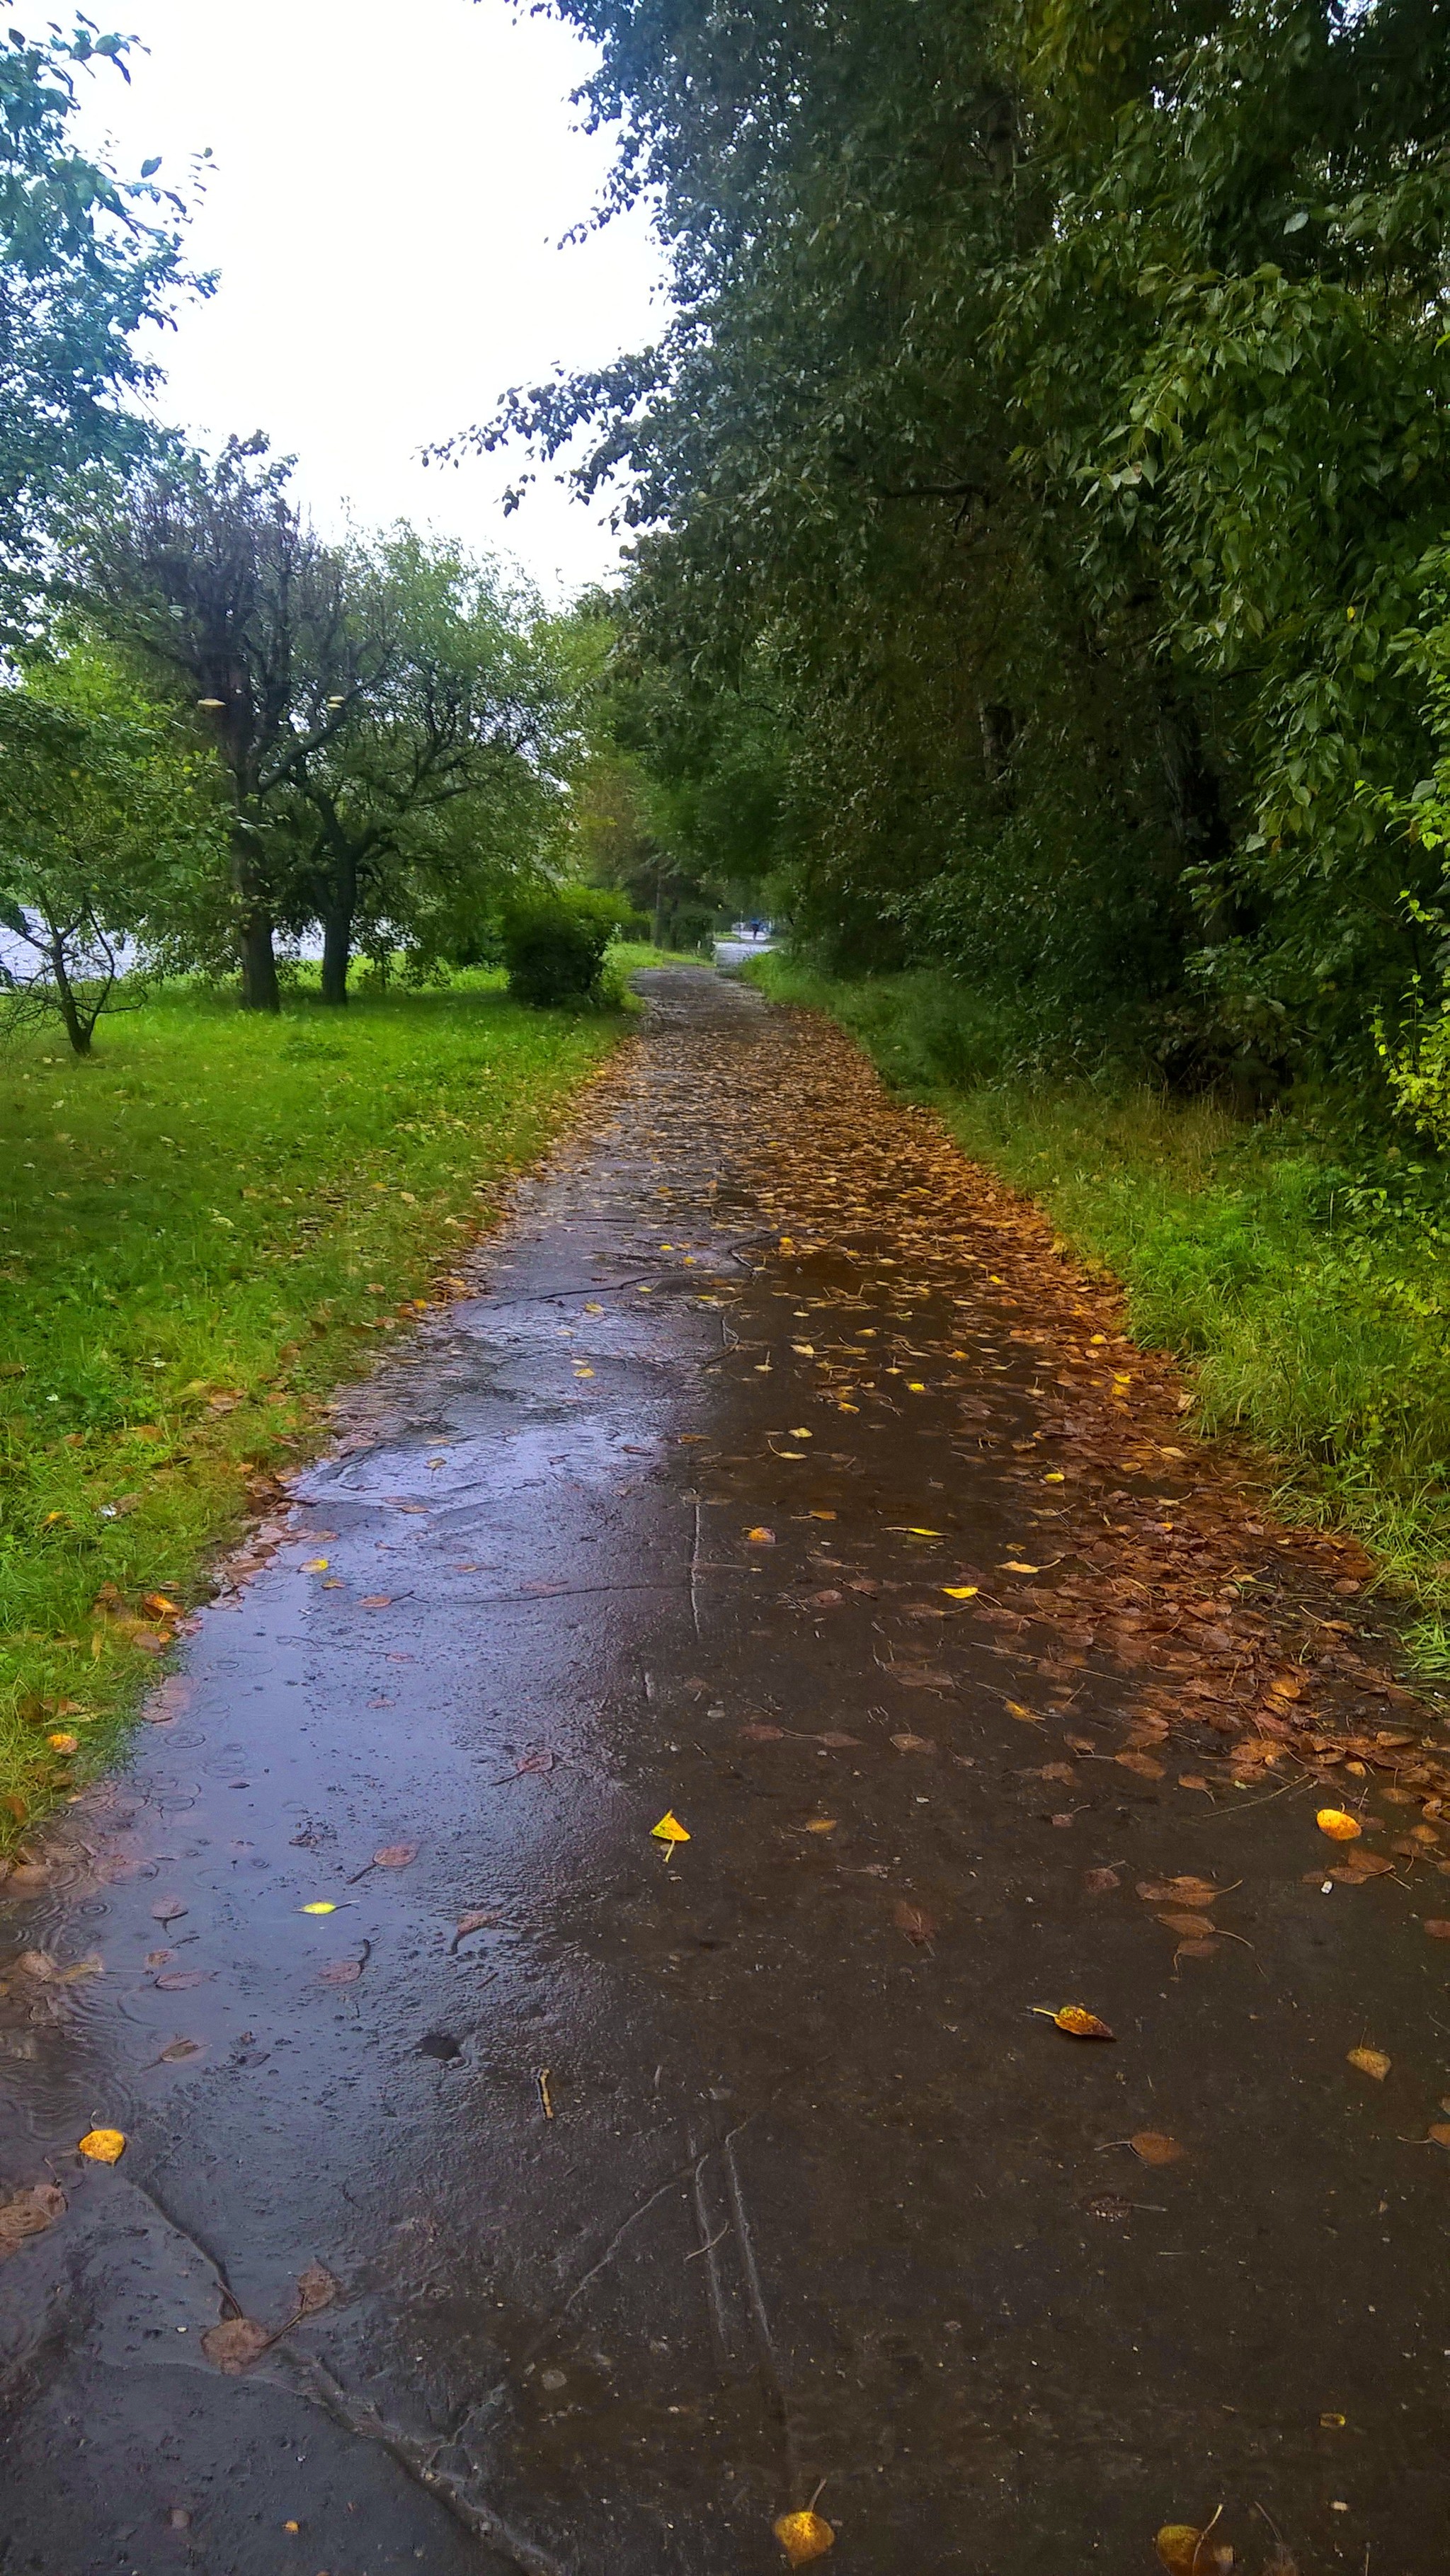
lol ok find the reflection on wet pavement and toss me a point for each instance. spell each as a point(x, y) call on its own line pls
point(654, 2185)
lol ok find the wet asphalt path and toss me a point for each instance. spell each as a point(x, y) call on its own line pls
point(673, 2186)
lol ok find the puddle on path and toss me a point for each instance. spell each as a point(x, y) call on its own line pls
point(671, 2186)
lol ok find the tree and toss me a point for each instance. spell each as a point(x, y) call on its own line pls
point(1056, 421)
point(207, 572)
point(106, 823)
point(87, 259)
point(437, 783)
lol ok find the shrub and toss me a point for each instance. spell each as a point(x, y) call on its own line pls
point(554, 939)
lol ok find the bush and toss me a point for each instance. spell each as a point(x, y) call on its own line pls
point(554, 939)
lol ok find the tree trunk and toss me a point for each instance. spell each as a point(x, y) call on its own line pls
point(336, 954)
point(259, 966)
point(254, 930)
point(77, 1028)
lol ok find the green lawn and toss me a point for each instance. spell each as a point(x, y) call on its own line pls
point(202, 1230)
point(1309, 1298)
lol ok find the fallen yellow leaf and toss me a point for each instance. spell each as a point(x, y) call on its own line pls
point(1370, 2061)
point(64, 1743)
point(760, 1538)
point(669, 1830)
point(908, 1529)
point(316, 1565)
point(793, 1434)
point(1013, 1565)
point(1187, 2551)
point(822, 1825)
point(1337, 1825)
point(804, 2536)
point(103, 2146)
point(961, 1591)
point(1014, 1708)
point(321, 1907)
point(1075, 2020)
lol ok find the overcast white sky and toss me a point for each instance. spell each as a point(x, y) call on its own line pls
point(390, 185)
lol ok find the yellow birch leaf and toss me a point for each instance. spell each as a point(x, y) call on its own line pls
point(804, 2536)
point(1337, 1825)
point(961, 1591)
point(1075, 2020)
point(669, 1830)
point(102, 2146)
point(1370, 2061)
point(321, 1907)
point(316, 1565)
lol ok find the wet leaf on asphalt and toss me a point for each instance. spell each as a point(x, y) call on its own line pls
point(320, 1905)
point(235, 2344)
point(316, 1565)
point(1338, 1826)
point(1439, 2131)
point(1014, 1708)
point(1155, 2147)
point(376, 1601)
point(1143, 1763)
point(760, 1538)
point(822, 1825)
point(804, 2536)
point(480, 1920)
point(1098, 1881)
point(835, 1743)
point(1370, 2061)
point(1075, 2020)
point(1437, 1927)
point(1189, 1927)
point(102, 2146)
point(395, 1856)
point(316, 2289)
point(669, 1830)
point(47, 1971)
point(177, 2051)
point(29, 2213)
point(340, 1972)
point(914, 1921)
point(180, 1981)
point(168, 1909)
point(1185, 2550)
point(913, 1744)
point(961, 1591)
point(754, 1734)
point(1179, 1891)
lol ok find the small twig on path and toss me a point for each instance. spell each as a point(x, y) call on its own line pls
point(1260, 1802)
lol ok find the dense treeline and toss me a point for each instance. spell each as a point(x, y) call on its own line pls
point(218, 734)
point(1048, 471)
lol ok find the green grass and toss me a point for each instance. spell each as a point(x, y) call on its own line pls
point(203, 1229)
point(1309, 1301)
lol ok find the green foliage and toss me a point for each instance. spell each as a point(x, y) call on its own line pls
point(555, 938)
point(107, 823)
point(89, 260)
point(201, 1231)
point(1053, 439)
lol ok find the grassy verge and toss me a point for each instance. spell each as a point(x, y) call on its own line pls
point(1311, 1298)
point(202, 1231)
